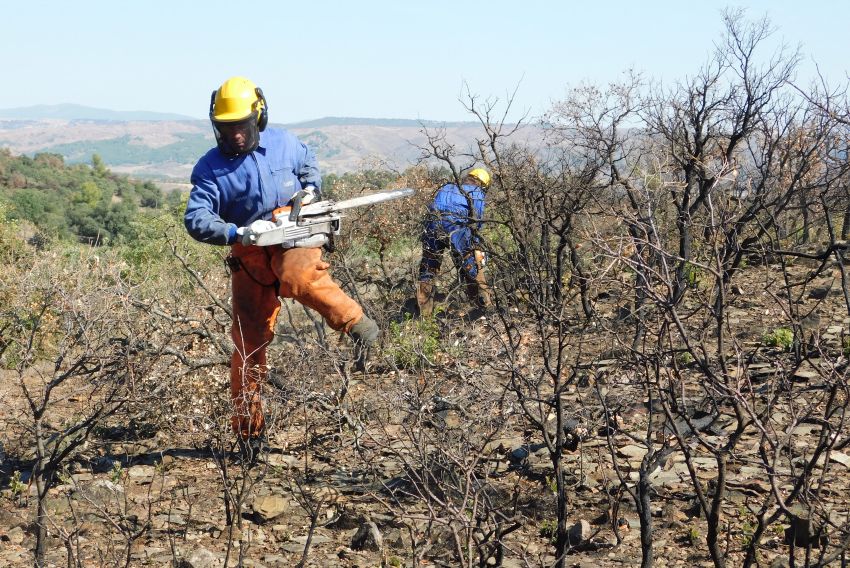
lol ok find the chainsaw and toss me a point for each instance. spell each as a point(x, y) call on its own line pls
point(316, 224)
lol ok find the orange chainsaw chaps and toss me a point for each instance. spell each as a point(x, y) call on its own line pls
point(264, 274)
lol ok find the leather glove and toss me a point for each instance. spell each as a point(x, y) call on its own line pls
point(308, 195)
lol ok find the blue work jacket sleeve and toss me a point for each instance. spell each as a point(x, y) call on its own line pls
point(479, 207)
point(308, 173)
point(202, 219)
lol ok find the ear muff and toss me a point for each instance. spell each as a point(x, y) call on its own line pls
point(263, 118)
point(212, 103)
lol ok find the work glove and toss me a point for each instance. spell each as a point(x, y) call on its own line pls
point(248, 235)
point(307, 195)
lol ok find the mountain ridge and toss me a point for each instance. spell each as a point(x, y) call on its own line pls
point(68, 111)
point(168, 149)
point(75, 112)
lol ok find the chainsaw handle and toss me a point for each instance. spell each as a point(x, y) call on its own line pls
point(296, 207)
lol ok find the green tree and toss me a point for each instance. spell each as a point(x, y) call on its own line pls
point(89, 193)
point(98, 166)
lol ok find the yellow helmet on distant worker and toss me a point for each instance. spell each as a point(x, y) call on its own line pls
point(481, 175)
point(236, 102)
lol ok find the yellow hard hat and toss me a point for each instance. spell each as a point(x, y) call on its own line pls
point(481, 175)
point(236, 99)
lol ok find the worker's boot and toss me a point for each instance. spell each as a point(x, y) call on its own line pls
point(425, 298)
point(485, 300)
point(365, 333)
point(252, 450)
point(478, 294)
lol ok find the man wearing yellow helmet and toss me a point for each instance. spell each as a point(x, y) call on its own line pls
point(252, 173)
point(453, 222)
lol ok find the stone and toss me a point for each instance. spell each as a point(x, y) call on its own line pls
point(268, 507)
point(201, 558)
point(165, 521)
point(276, 560)
point(317, 539)
point(579, 534)
point(102, 493)
point(142, 472)
point(16, 535)
point(632, 452)
point(367, 537)
point(804, 530)
point(167, 460)
point(804, 375)
point(282, 460)
point(838, 457)
point(502, 444)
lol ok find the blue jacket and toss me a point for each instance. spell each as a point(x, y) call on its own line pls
point(450, 208)
point(449, 216)
point(233, 192)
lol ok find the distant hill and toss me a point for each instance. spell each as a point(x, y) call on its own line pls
point(79, 112)
point(166, 149)
point(348, 121)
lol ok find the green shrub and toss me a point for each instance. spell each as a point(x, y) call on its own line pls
point(692, 274)
point(548, 529)
point(693, 535)
point(16, 485)
point(779, 337)
point(413, 342)
point(116, 473)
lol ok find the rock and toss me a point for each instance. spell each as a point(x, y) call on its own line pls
point(632, 451)
point(315, 539)
point(367, 537)
point(838, 457)
point(283, 461)
point(804, 530)
point(347, 519)
point(820, 292)
point(141, 472)
point(268, 507)
point(10, 520)
point(502, 444)
point(103, 464)
point(779, 562)
point(579, 534)
point(276, 560)
point(804, 375)
point(201, 558)
point(16, 535)
point(101, 493)
point(165, 521)
point(168, 460)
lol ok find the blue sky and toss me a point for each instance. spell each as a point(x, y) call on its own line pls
point(376, 59)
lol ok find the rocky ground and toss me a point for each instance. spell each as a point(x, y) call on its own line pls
point(363, 482)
